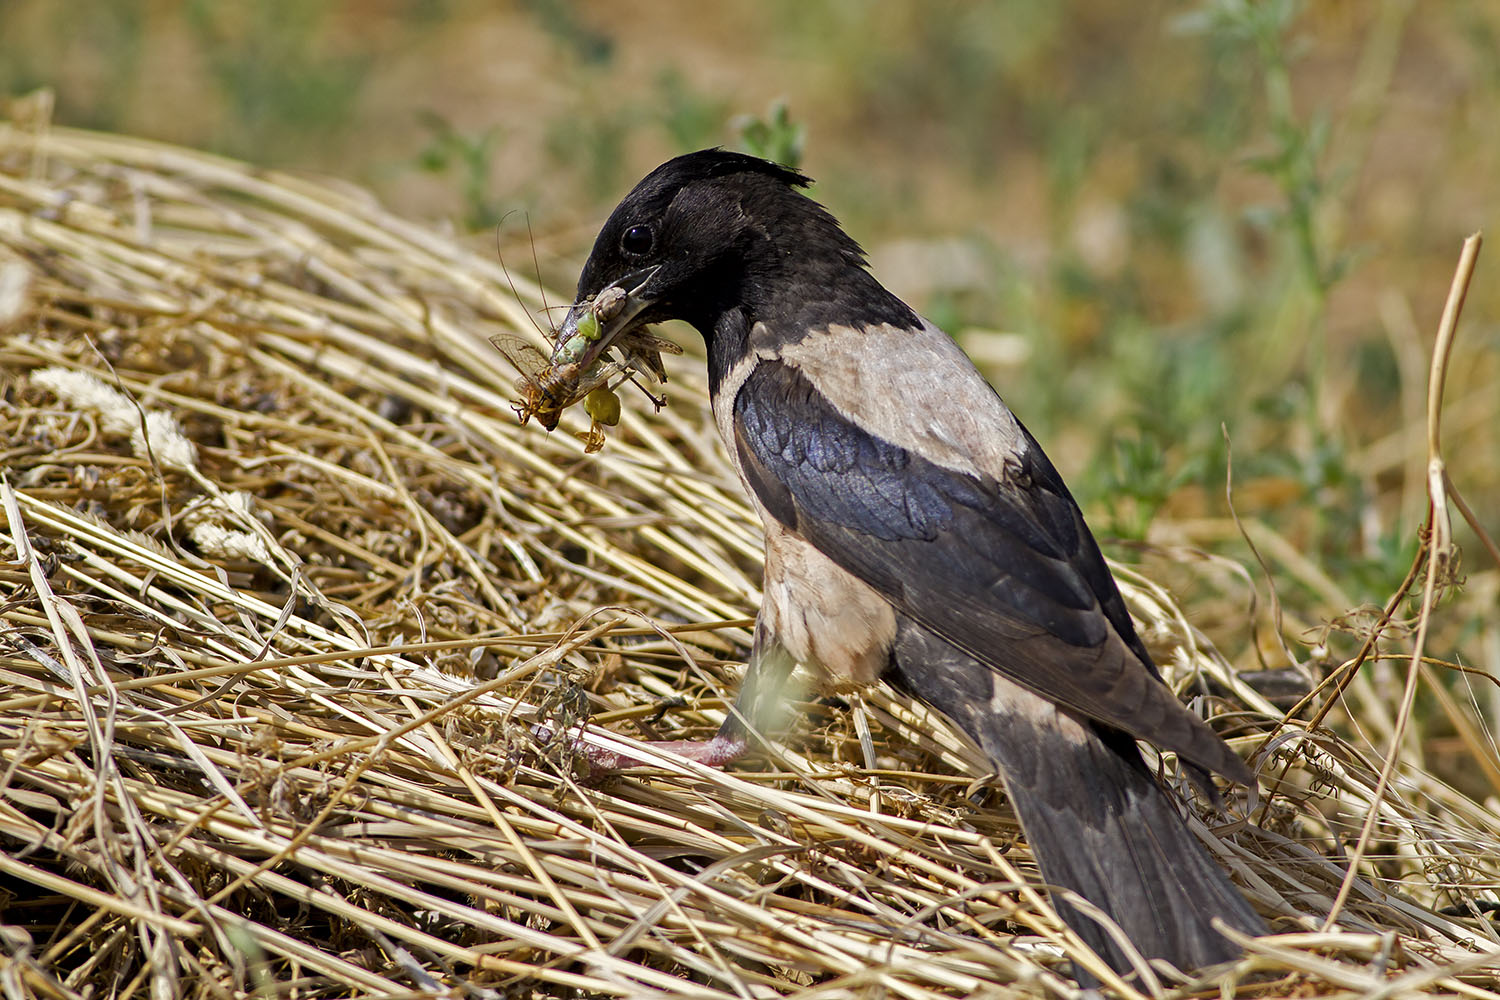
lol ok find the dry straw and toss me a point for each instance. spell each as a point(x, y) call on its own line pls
point(284, 587)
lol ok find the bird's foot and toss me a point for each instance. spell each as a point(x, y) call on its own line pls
point(717, 752)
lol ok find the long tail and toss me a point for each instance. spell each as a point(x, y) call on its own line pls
point(1097, 821)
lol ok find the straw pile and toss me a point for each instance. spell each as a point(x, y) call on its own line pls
point(285, 589)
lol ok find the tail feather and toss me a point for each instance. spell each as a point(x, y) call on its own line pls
point(1097, 821)
point(1099, 824)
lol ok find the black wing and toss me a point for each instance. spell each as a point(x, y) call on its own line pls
point(1006, 570)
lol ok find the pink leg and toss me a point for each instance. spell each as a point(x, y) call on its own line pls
point(716, 752)
point(770, 665)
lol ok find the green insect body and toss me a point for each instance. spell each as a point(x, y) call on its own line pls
point(589, 329)
point(588, 326)
point(572, 350)
point(603, 405)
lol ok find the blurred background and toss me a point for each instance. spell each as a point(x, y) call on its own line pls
point(1159, 226)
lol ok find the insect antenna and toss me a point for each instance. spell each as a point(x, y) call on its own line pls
point(546, 334)
point(536, 266)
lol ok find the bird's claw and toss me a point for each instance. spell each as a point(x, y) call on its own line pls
point(716, 752)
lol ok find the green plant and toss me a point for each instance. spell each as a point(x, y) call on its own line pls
point(471, 157)
point(280, 82)
point(693, 119)
point(774, 137)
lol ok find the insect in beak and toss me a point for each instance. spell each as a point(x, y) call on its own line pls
point(579, 368)
point(593, 325)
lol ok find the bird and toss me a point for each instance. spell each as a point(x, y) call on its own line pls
point(916, 534)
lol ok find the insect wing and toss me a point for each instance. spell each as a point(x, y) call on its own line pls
point(600, 376)
point(645, 342)
point(524, 356)
point(531, 363)
point(643, 353)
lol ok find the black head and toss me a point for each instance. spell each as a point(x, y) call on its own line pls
point(722, 240)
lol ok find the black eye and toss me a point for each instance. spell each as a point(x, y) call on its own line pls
point(636, 241)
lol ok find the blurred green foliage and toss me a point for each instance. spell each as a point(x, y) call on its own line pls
point(469, 159)
point(775, 137)
point(265, 62)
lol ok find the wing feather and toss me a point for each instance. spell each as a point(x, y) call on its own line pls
point(1005, 570)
